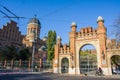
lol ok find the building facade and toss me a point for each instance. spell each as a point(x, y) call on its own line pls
point(10, 35)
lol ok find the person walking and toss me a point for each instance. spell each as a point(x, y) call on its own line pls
point(96, 71)
point(100, 71)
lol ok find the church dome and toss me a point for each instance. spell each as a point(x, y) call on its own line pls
point(34, 20)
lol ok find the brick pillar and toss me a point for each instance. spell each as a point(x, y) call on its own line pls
point(101, 34)
point(20, 61)
point(56, 60)
point(29, 64)
point(5, 63)
point(56, 56)
point(12, 63)
point(40, 64)
point(72, 36)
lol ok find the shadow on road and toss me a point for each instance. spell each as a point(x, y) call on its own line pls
point(51, 76)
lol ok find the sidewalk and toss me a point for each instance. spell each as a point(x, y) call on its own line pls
point(113, 76)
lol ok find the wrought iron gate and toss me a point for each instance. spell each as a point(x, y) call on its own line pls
point(88, 64)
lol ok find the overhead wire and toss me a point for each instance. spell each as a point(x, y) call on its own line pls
point(53, 12)
point(5, 14)
point(50, 13)
point(14, 15)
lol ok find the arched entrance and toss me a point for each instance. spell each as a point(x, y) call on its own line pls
point(97, 63)
point(88, 59)
point(115, 64)
point(64, 65)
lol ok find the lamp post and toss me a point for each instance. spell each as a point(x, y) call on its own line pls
point(88, 62)
point(32, 40)
point(32, 65)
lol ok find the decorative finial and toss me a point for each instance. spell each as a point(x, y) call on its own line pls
point(58, 37)
point(73, 24)
point(100, 19)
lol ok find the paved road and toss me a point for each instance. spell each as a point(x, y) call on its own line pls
point(51, 76)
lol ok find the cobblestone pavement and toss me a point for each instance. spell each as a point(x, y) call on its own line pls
point(51, 76)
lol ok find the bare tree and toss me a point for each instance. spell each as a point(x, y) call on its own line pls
point(117, 30)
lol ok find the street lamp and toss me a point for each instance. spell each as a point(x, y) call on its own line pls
point(88, 62)
point(32, 40)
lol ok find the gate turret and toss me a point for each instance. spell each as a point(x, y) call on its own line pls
point(101, 34)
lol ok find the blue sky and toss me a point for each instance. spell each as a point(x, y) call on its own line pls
point(59, 14)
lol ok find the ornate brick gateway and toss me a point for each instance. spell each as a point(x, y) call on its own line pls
point(67, 57)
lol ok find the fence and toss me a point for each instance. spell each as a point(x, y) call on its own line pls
point(25, 65)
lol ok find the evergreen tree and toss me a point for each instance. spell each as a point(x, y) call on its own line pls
point(3, 55)
point(24, 54)
point(50, 44)
point(10, 52)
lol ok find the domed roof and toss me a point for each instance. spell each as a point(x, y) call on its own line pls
point(34, 20)
point(44, 38)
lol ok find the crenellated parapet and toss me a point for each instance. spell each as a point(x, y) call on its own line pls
point(62, 49)
point(65, 49)
point(88, 32)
